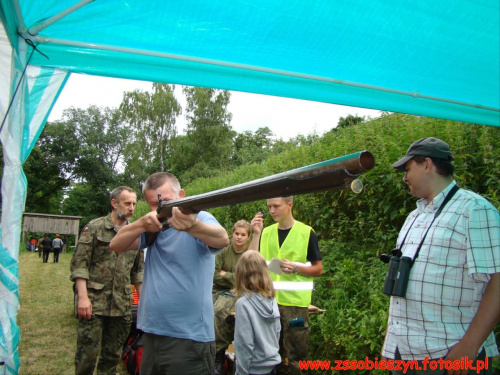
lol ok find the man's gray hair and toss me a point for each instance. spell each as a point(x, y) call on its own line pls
point(116, 192)
point(158, 179)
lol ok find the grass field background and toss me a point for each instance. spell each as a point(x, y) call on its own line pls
point(46, 320)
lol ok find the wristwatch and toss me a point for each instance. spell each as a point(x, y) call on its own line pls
point(295, 270)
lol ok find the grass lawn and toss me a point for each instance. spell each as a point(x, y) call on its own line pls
point(48, 327)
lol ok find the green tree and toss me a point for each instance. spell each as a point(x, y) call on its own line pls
point(102, 138)
point(45, 184)
point(151, 116)
point(252, 147)
point(206, 148)
point(84, 201)
point(349, 120)
point(86, 148)
point(49, 168)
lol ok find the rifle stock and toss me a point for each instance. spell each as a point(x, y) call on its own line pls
point(331, 174)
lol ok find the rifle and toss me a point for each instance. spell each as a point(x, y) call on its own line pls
point(333, 174)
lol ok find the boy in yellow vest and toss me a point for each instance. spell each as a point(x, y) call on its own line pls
point(295, 244)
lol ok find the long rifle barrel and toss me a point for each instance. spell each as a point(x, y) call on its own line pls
point(331, 174)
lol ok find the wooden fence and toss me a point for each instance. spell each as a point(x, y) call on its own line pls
point(50, 224)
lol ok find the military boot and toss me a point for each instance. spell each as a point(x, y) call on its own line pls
point(220, 362)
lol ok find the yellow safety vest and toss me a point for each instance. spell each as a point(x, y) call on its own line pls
point(294, 248)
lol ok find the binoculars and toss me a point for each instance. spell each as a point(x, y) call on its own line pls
point(396, 279)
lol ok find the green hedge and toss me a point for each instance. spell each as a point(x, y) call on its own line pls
point(353, 325)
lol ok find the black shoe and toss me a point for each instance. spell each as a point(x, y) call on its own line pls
point(220, 362)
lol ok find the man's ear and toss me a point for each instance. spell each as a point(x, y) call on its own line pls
point(429, 164)
point(114, 203)
point(182, 193)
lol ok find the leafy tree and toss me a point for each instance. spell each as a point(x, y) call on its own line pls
point(207, 146)
point(102, 138)
point(252, 147)
point(304, 140)
point(84, 201)
point(45, 184)
point(86, 147)
point(151, 117)
point(281, 146)
point(349, 120)
point(49, 168)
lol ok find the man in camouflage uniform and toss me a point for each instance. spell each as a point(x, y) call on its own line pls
point(103, 281)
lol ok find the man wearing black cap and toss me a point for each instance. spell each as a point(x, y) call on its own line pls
point(452, 242)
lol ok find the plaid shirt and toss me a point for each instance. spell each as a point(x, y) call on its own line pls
point(448, 278)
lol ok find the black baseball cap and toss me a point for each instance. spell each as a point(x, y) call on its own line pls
point(428, 147)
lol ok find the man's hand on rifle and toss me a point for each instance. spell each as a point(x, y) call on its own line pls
point(181, 221)
point(150, 222)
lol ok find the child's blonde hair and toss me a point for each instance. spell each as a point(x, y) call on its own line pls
point(252, 276)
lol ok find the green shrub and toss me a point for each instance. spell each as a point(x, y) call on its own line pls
point(353, 325)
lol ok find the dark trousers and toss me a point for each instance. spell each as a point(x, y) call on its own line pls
point(172, 356)
point(46, 253)
point(56, 254)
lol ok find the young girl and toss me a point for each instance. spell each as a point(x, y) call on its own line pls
point(257, 330)
point(224, 300)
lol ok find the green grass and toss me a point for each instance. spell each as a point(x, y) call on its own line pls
point(46, 320)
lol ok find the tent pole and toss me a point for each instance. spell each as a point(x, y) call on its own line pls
point(46, 40)
point(34, 30)
point(19, 15)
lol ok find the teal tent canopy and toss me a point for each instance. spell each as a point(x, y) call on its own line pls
point(439, 59)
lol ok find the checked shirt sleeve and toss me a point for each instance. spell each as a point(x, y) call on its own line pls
point(483, 250)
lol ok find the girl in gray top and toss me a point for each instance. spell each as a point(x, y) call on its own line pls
point(257, 329)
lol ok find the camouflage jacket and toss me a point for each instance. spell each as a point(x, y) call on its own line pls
point(109, 274)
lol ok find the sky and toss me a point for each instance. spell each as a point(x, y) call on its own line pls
point(286, 117)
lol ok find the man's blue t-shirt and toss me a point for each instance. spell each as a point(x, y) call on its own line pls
point(176, 297)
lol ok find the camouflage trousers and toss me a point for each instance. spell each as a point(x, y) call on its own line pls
point(294, 339)
point(102, 334)
point(224, 332)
